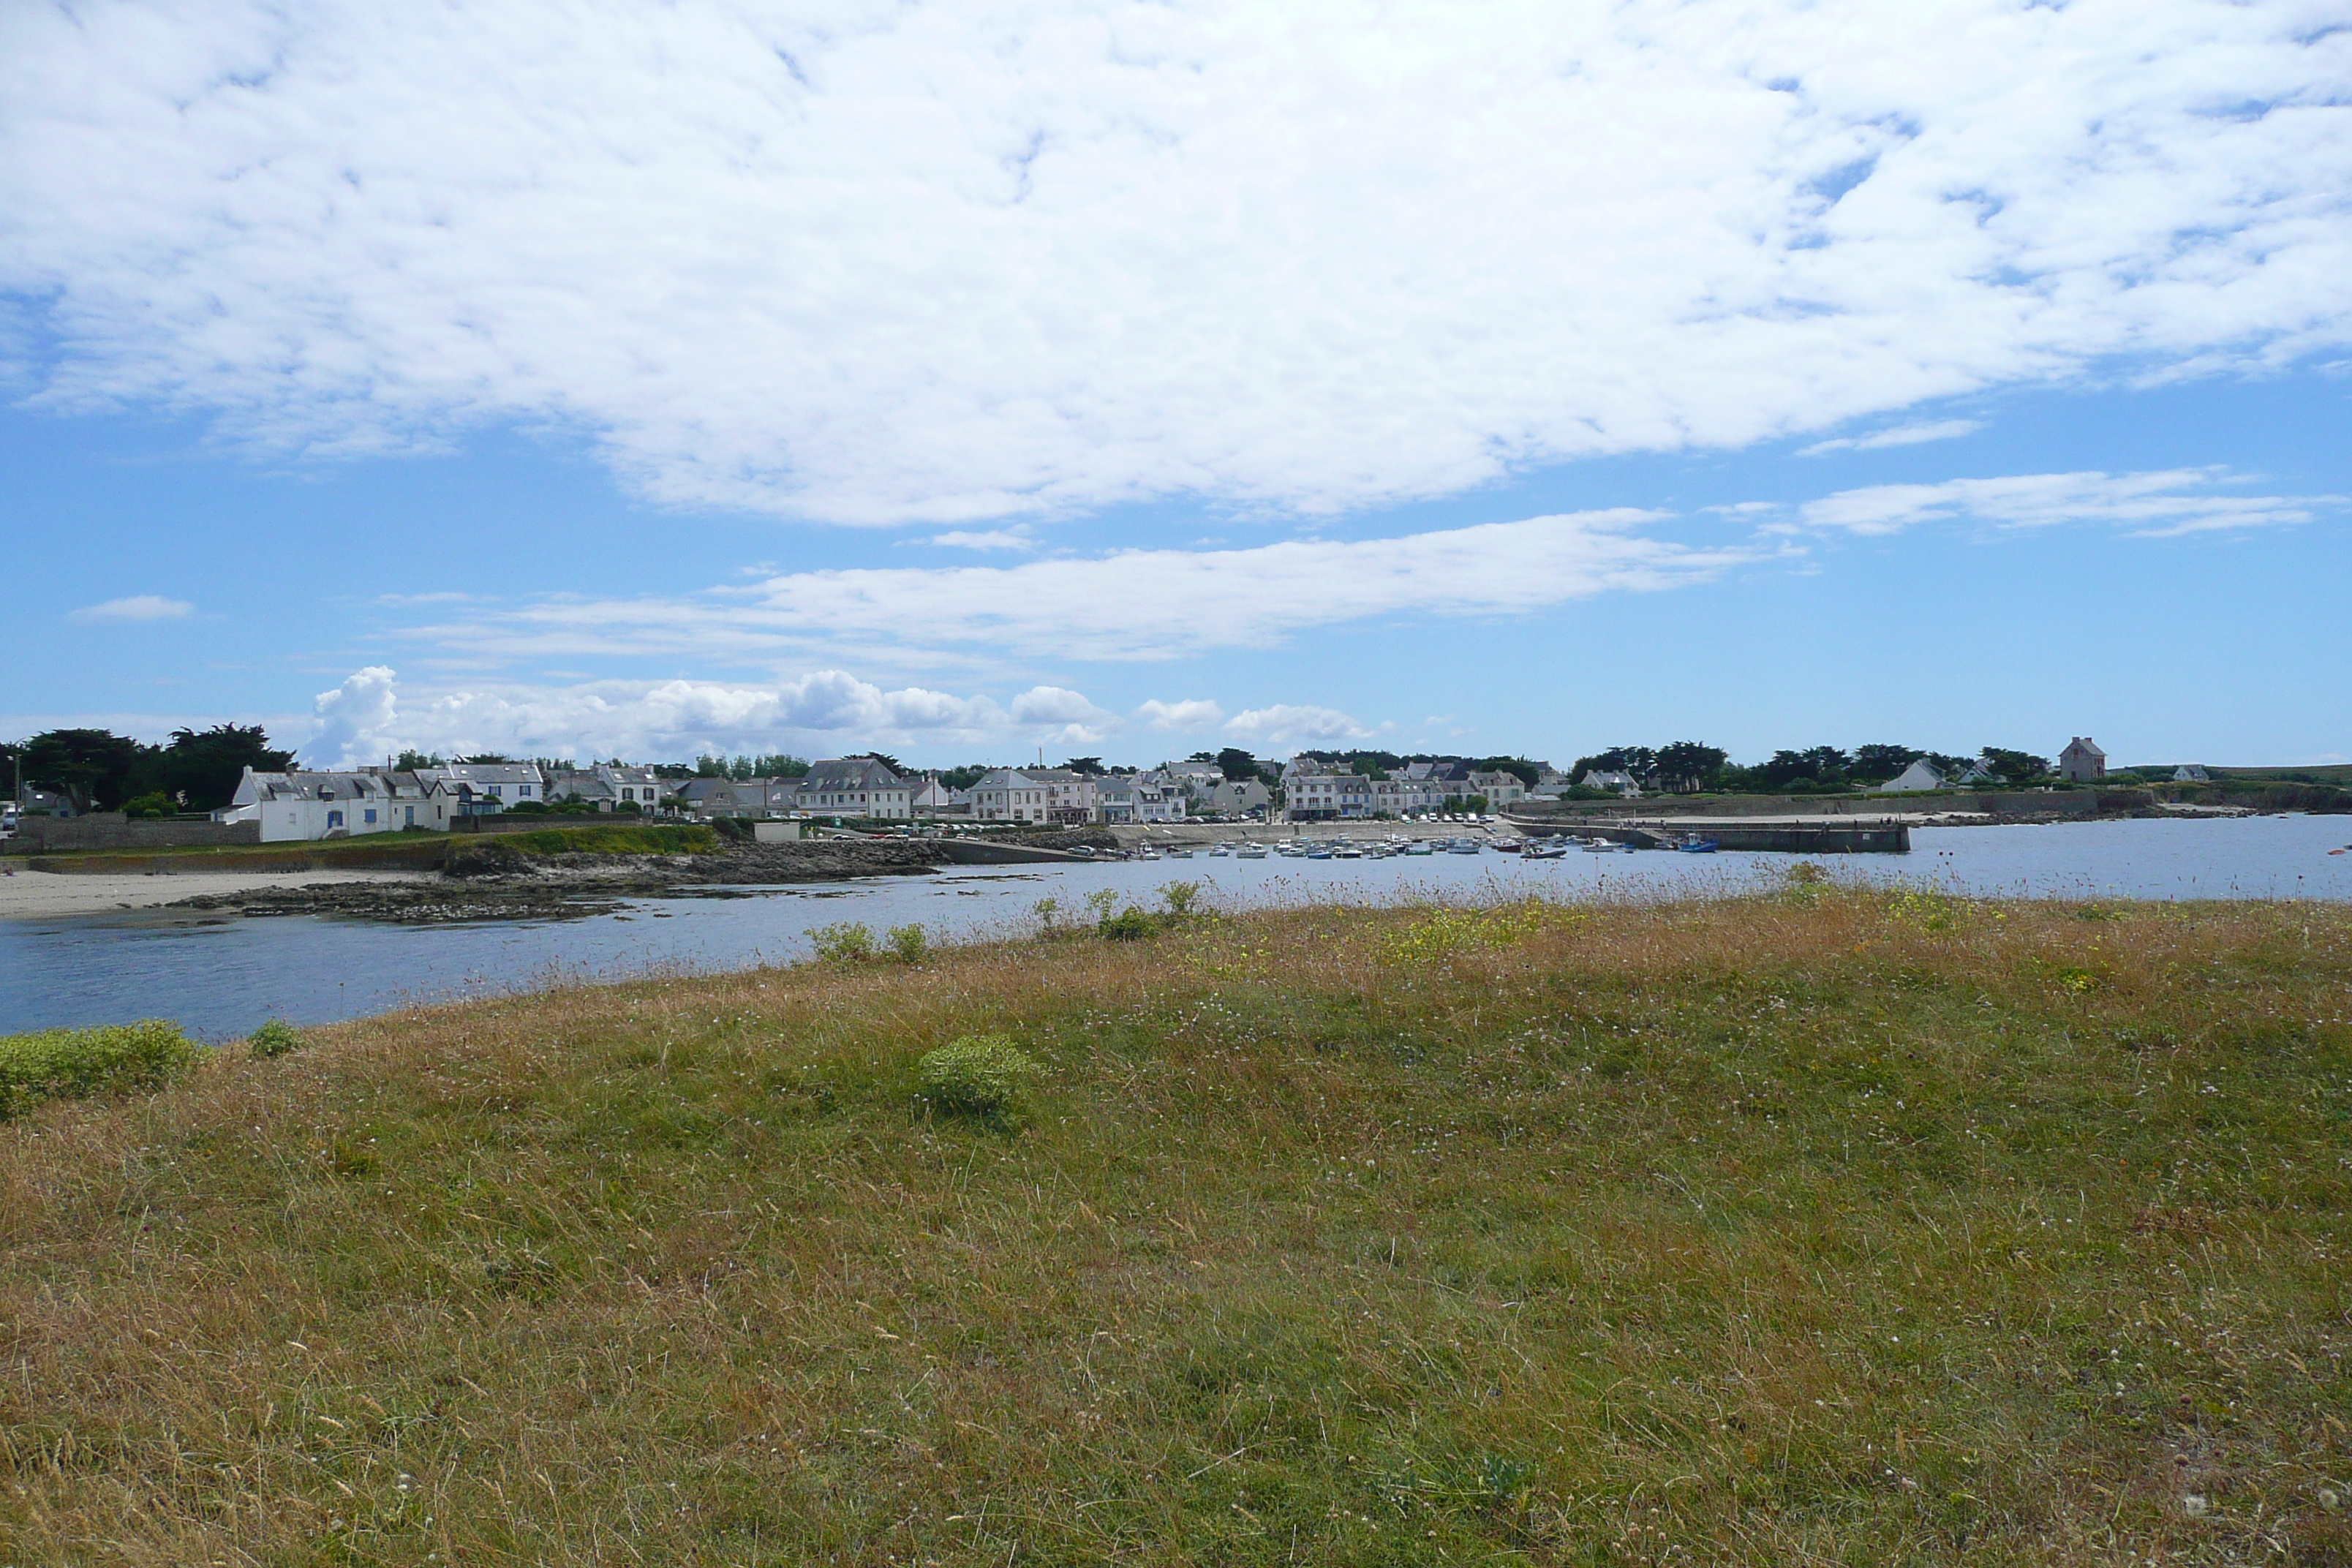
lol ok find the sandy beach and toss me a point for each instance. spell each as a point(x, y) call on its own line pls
point(48, 895)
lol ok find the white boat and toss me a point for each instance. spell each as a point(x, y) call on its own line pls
point(1250, 852)
point(1418, 846)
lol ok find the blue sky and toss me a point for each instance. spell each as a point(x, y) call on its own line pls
point(1132, 380)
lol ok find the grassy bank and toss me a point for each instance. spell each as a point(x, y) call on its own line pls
point(1824, 1226)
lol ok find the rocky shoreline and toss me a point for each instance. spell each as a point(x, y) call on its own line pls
point(493, 882)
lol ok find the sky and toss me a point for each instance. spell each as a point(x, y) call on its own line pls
point(985, 381)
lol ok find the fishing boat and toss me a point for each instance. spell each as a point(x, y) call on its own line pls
point(1250, 852)
point(1346, 852)
point(1462, 846)
point(1418, 846)
point(1696, 845)
point(1543, 849)
point(1320, 852)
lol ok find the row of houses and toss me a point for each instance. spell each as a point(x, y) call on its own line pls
point(1314, 793)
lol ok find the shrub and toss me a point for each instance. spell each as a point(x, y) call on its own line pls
point(1127, 925)
point(847, 943)
point(908, 944)
point(155, 805)
point(275, 1038)
point(976, 1075)
point(67, 1064)
point(1179, 898)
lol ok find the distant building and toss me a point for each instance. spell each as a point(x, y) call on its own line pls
point(1009, 795)
point(486, 787)
point(298, 804)
point(1623, 783)
point(2082, 761)
point(1922, 775)
point(856, 786)
point(2191, 773)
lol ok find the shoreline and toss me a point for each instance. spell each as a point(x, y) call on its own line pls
point(27, 895)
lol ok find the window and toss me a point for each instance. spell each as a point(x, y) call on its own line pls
point(368, 815)
point(523, 790)
point(411, 815)
point(334, 819)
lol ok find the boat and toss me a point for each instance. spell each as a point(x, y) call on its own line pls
point(1699, 846)
point(1250, 852)
point(1346, 852)
point(1320, 852)
point(1221, 849)
point(1462, 846)
point(1418, 846)
point(1541, 850)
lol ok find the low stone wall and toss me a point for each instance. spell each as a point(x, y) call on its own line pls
point(108, 830)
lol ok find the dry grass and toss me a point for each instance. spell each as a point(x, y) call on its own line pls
point(1831, 1227)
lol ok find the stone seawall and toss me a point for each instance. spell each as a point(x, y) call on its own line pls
point(63, 835)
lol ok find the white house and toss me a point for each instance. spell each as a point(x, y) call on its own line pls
point(2191, 773)
point(607, 786)
point(1009, 795)
point(486, 787)
point(299, 805)
point(856, 786)
point(1236, 797)
point(1501, 789)
point(1623, 783)
point(1321, 797)
point(1922, 775)
point(2082, 761)
point(933, 798)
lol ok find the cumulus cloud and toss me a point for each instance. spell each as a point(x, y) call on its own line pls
point(1900, 436)
point(367, 717)
point(138, 607)
point(1290, 724)
point(874, 262)
point(2165, 503)
point(1186, 713)
point(1142, 604)
point(358, 721)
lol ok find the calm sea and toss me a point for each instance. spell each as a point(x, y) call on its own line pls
point(222, 980)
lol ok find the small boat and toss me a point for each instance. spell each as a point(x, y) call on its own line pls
point(1221, 849)
point(1250, 852)
point(1510, 846)
point(1544, 851)
point(1699, 846)
point(1346, 852)
point(1462, 846)
point(1320, 852)
point(1149, 855)
point(1418, 846)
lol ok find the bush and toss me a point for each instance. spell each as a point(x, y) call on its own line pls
point(67, 1064)
point(908, 944)
point(275, 1038)
point(847, 943)
point(1127, 925)
point(1179, 898)
point(148, 806)
point(977, 1075)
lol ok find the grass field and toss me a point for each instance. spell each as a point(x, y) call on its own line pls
point(1819, 1227)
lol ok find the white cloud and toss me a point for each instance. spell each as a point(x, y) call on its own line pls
point(872, 261)
point(1142, 604)
point(358, 721)
point(1186, 713)
point(992, 539)
point(1290, 725)
point(139, 608)
point(368, 717)
point(1900, 436)
point(2172, 502)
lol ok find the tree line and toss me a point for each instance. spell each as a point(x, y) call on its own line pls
point(1693, 766)
point(97, 770)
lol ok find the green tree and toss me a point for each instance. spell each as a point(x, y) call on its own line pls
point(411, 760)
point(1236, 763)
point(1690, 765)
point(963, 777)
point(1519, 768)
point(1090, 767)
point(2016, 767)
point(92, 768)
point(1876, 764)
point(202, 767)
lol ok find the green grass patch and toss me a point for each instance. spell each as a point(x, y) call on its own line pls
point(69, 1064)
point(1827, 1226)
point(681, 839)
